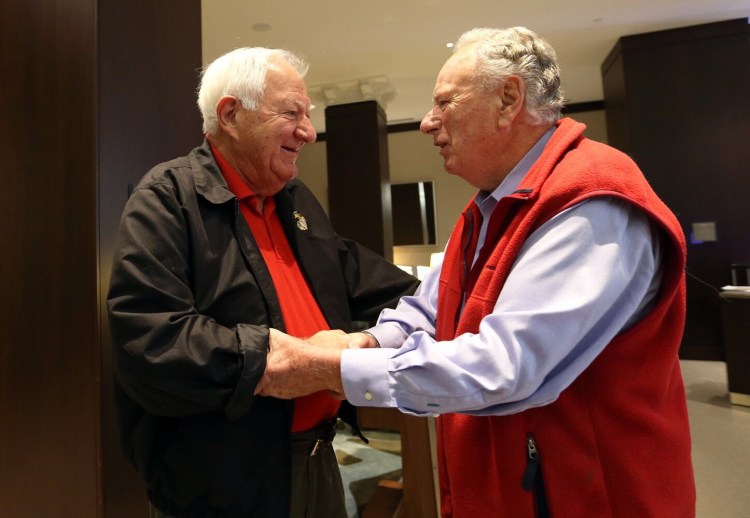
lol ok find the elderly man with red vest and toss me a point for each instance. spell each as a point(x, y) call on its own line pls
point(547, 341)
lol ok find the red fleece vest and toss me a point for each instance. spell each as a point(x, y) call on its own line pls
point(616, 443)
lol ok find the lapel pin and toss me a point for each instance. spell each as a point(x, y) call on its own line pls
point(301, 221)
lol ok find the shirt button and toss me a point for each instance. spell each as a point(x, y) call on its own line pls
point(368, 396)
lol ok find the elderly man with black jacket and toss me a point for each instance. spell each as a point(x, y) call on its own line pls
point(215, 248)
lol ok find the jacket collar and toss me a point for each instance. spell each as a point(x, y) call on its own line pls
point(210, 183)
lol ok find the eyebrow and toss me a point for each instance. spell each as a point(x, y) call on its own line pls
point(442, 93)
point(298, 105)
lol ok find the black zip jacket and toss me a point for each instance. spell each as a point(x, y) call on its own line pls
point(190, 304)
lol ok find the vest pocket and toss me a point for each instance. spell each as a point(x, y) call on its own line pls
point(532, 477)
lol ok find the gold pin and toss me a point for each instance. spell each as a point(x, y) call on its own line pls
point(301, 221)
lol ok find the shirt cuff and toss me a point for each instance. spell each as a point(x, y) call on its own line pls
point(365, 376)
point(388, 335)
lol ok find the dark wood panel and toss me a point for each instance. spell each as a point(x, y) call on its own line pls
point(57, 430)
point(149, 65)
point(379, 418)
point(420, 497)
point(735, 312)
point(49, 331)
point(677, 102)
point(359, 174)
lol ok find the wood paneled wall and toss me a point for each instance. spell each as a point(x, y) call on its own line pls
point(49, 395)
point(677, 102)
point(149, 68)
point(92, 94)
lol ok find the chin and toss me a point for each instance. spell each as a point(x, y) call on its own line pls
point(451, 169)
point(286, 179)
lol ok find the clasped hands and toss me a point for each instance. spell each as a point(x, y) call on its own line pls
point(297, 367)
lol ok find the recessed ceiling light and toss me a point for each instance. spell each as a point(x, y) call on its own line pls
point(262, 27)
point(449, 45)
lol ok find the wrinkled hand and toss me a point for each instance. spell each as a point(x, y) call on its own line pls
point(335, 338)
point(338, 339)
point(295, 368)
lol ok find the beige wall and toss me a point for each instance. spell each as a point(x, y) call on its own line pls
point(413, 158)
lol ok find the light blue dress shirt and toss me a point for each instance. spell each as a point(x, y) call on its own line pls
point(579, 280)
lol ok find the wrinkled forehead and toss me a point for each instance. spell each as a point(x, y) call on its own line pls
point(284, 83)
point(457, 72)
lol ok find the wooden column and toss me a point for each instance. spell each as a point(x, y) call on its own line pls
point(94, 92)
point(359, 205)
point(358, 175)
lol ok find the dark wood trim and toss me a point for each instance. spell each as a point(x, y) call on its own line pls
point(672, 36)
point(404, 126)
point(587, 106)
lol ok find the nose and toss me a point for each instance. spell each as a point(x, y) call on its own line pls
point(430, 122)
point(306, 132)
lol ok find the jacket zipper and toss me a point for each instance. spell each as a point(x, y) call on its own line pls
point(532, 477)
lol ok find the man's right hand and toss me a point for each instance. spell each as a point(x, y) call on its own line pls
point(295, 368)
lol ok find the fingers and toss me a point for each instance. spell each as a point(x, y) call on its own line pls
point(338, 339)
point(360, 341)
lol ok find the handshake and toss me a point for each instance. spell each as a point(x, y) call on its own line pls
point(297, 367)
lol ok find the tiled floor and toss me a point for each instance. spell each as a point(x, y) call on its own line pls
point(721, 442)
point(362, 466)
point(721, 449)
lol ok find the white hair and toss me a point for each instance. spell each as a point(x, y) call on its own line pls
point(240, 73)
point(521, 52)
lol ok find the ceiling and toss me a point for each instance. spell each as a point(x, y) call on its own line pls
point(405, 40)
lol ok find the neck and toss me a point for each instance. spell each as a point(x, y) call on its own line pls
point(521, 137)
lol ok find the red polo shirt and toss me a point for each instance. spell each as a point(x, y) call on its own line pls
point(300, 310)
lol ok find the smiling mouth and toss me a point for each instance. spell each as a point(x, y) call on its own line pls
point(295, 149)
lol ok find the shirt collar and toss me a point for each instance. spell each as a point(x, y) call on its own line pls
point(486, 201)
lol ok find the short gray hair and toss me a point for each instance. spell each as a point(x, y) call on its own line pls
point(521, 52)
point(240, 73)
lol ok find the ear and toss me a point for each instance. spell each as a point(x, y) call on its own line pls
point(512, 98)
point(226, 112)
